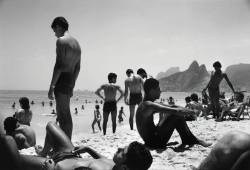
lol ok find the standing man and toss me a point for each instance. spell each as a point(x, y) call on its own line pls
point(213, 87)
point(66, 70)
point(133, 87)
point(110, 100)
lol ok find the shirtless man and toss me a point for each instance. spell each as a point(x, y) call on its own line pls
point(133, 88)
point(66, 70)
point(24, 135)
point(231, 152)
point(214, 89)
point(157, 136)
point(110, 101)
point(67, 157)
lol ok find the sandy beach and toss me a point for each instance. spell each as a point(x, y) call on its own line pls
point(208, 130)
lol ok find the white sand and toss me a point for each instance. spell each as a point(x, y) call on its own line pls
point(208, 130)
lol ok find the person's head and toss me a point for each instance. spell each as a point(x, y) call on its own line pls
point(188, 99)
point(217, 65)
point(59, 26)
point(239, 97)
point(10, 124)
point(142, 73)
point(24, 103)
point(152, 89)
point(97, 107)
point(135, 156)
point(122, 108)
point(129, 72)
point(112, 77)
point(194, 97)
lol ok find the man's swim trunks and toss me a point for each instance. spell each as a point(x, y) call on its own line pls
point(135, 98)
point(109, 106)
point(65, 83)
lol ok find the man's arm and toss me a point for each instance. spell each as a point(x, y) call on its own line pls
point(126, 92)
point(21, 141)
point(228, 82)
point(86, 149)
point(98, 92)
point(121, 93)
point(77, 70)
point(177, 110)
point(60, 52)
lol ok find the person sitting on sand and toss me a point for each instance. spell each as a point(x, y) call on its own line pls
point(234, 108)
point(97, 118)
point(157, 136)
point(67, 157)
point(24, 135)
point(231, 152)
point(109, 97)
point(24, 115)
point(121, 112)
point(197, 106)
point(171, 101)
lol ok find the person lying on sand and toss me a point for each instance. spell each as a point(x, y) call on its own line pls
point(231, 152)
point(24, 135)
point(64, 156)
point(157, 136)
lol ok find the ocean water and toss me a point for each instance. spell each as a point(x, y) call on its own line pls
point(81, 121)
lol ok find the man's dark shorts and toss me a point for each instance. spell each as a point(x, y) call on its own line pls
point(135, 98)
point(109, 106)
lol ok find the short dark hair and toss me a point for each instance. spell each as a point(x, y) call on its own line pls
point(61, 21)
point(217, 64)
point(10, 124)
point(111, 76)
point(138, 157)
point(194, 97)
point(25, 103)
point(188, 99)
point(97, 106)
point(149, 84)
point(142, 72)
point(129, 71)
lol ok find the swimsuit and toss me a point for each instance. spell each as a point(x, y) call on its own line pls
point(65, 83)
point(135, 98)
point(109, 106)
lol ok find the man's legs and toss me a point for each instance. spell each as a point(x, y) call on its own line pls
point(113, 117)
point(131, 116)
point(63, 113)
point(178, 123)
point(214, 98)
point(105, 121)
point(56, 139)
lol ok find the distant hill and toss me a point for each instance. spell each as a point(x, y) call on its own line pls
point(239, 75)
point(167, 73)
point(192, 79)
point(196, 77)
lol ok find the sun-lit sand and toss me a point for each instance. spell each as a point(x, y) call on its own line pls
point(208, 130)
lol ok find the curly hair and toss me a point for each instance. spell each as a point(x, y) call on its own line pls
point(138, 157)
point(149, 84)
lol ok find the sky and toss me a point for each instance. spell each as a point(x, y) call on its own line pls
point(119, 34)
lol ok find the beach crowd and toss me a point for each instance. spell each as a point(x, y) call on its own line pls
point(142, 96)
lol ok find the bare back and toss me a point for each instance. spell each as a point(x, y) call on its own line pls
point(68, 53)
point(110, 91)
point(134, 84)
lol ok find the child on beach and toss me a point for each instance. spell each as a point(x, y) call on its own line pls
point(97, 118)
point(121, 112)
point(24, 115)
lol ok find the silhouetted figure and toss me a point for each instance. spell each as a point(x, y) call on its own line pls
point(14, 105)
point(32, 102)
point(76, 111)
point(43, 103)
point(121, 112)
point(82, 107)
point(51, 103)
point(53, 112)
